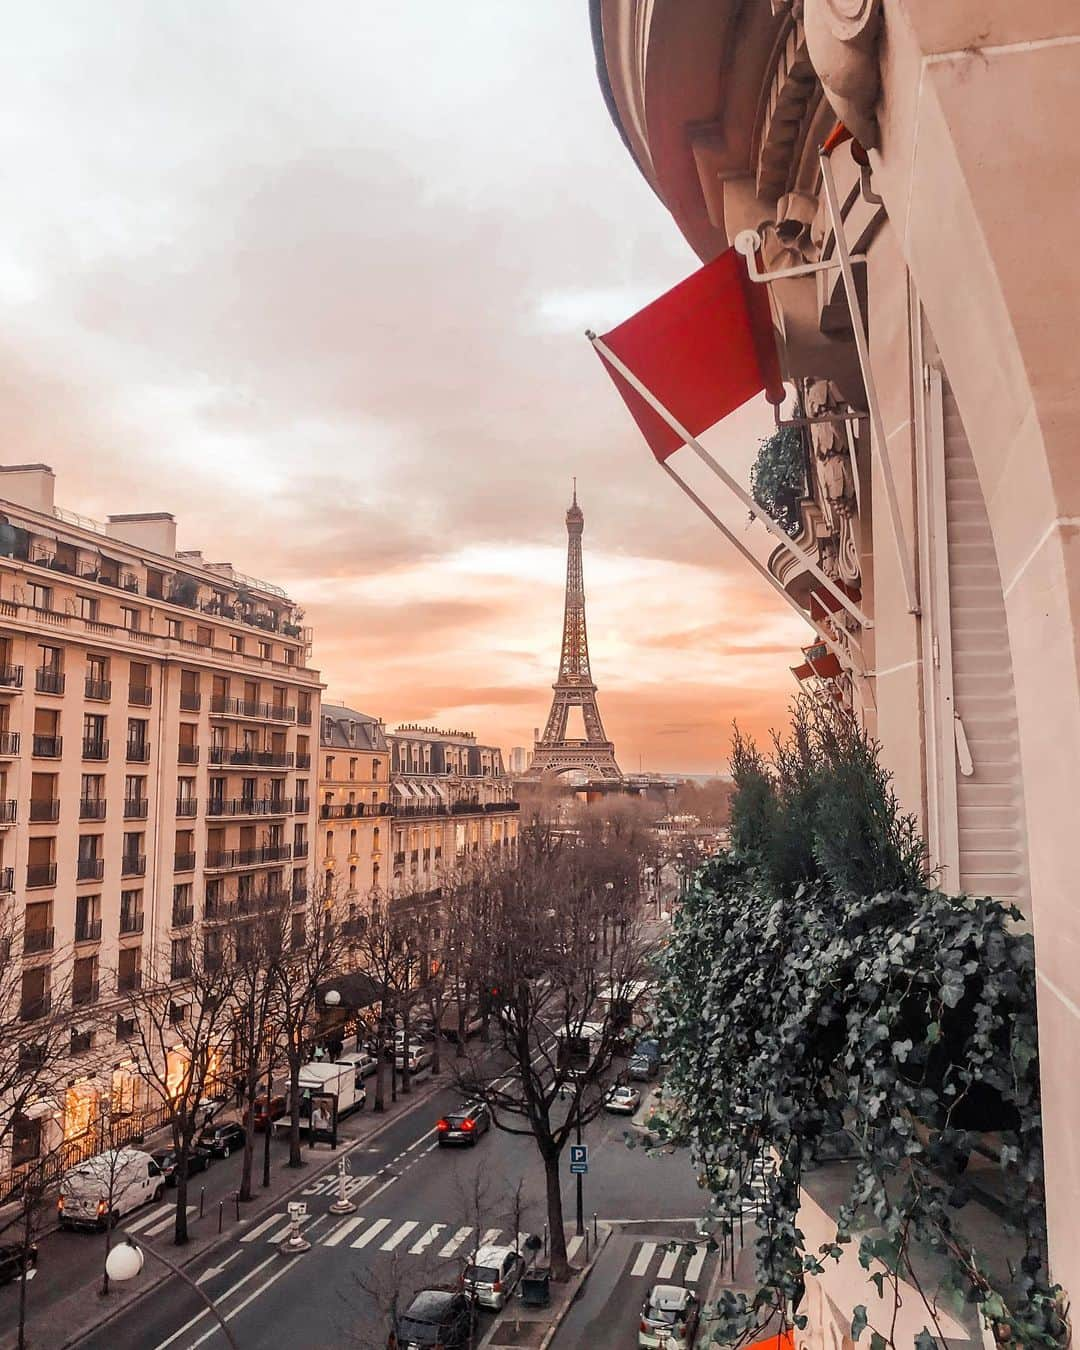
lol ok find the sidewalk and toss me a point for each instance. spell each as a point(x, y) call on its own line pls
point(84, 1310)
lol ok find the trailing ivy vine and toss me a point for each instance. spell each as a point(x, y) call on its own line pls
point(815, 981)
point(778, 477)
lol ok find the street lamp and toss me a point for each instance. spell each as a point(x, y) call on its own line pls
point(332, 998)
point(126, 1261)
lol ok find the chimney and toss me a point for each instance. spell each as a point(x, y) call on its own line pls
point(154, 531)
point(29, 485)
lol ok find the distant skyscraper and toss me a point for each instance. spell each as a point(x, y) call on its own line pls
point(519, 759)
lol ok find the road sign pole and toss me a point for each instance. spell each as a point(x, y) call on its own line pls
point(580, 1179)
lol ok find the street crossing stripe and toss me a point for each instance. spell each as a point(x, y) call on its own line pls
point(455, 1242)
point(489, 1237)
point(343, 1230)
point(152, 1216)
point(373, 1232)
point(427, 1239)
point(573, 1246)
point(284, 1232)
point(522, 1238)
point(402, 1230)
point(668, 1264)
point(693, 1267)
point(262, 1227)
point(645, 1256)
point(163, 1224)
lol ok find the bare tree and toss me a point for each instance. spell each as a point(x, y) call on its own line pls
point(181, 1018)
point(314, 949)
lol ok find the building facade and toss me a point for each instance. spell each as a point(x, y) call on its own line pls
point(157, 716)
point(950, 512)
point(354, 805)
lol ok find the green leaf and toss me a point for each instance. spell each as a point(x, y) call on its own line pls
point(858, 1321)
point(924, 1341)
point(878, 1341)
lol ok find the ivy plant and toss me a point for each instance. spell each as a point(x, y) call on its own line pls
point(778, 477)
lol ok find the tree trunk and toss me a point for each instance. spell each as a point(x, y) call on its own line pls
point(266, 1140)
point(296, 1158)
point(28, 1233)
point(249, 1093)
point(406, 1075)
point(560, 1268)
point(180, 1232)
point(380, 1068)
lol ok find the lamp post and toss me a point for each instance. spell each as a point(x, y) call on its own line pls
point(126, 1261)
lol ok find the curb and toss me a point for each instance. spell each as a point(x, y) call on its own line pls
point(580, 1278)
point(431, 1088)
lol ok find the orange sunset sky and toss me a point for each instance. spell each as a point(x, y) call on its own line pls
point(317, 285)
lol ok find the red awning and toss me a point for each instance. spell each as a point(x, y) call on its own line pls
point(702, 349)
point(822, 661)
point(802, 672)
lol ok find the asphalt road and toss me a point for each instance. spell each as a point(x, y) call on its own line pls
point(420, 1212)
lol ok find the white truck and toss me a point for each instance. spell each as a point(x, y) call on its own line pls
point(102, 1189)
point(317, 1080)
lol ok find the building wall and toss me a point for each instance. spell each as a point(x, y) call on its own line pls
point(354, 821)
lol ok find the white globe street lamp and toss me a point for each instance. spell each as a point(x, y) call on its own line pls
point(332, 998)
point(126, 1260)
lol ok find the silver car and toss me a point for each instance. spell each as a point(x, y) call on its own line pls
point(669, 1318)
point(493, 1275)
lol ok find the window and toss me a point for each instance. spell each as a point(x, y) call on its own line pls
point(133, 842)
point(52, 659)
point(204, 635)
point(266, 651)
point(375, 768)
point(97, 669)
point(290, 656)
point(175, 628)
point(352, 770)
point(93, 787)
point(88, 607)
point(329, 766)
point(238, 644)
point(185, 789)
point(131, 912)
point(329, 843)
point(40, 596)
point(131, 618)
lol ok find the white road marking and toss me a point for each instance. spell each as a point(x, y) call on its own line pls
point(645, 1256)
point(455, 1242)
point(693, 1267)
point(152, 1217)
point(668, 1264)
point(212, 1331)
point(402, 1230)
point(216, 1270)
point(270, 1260)
point(373, 1232)
point(342, 1232)
point(284, 1233)
point(163, 1224)
point(262, 1227)
point(489, 1237)
point(427, 1239)
point(573, 1246)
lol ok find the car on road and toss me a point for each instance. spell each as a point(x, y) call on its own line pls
point(363, 1062)
point(168, 1160)
point(492, 1275)
point(669, 1318)
point(102, 1189)
point(641, 1068)
point(266, 1114)
point(464, 1126)
point(436, 1319)
point(622, 1100)
point(14, 1257)
point(223, 1139)
point(420, 1056)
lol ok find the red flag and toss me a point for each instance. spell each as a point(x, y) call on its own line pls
point(702, 349)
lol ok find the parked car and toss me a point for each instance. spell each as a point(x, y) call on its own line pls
point(493, 1275)
point(266, 1114)
point(669, 1318)
point(420, 1056)
point(641, 1068)
point(363, 1062)
point(443, 1318)
point(168, 1160)
point(465, 1126)
point(622, 1100)
point(102, 1189)
point(14, 1257)
point(223, 1139)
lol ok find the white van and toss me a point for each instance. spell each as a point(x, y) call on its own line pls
point(102, 1189)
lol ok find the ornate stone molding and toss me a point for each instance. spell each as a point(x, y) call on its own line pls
point(842, 37)
point(793, 91)
point(834, 484)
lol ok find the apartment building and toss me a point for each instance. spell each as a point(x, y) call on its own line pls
point(452, 801)
point(354, 804)
point(156, 722)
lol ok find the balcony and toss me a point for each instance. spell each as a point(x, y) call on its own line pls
point(37, 940)
point(187, 806)
point(9, 742)
point(48, 681)
point(125, 984)
point(7, 880)
point(303, 717)
point(303, 761)
point(249, 806)
point(135, 808)
point(85, 995)
point(100, 690)
point(222, 859)
point(88, 931)
point(90, 808)
point(183, 915)
point(91, 869)
point(138, 752)
point(343, 811)
point(11, 677)
point(40, 874)
point(300, 851)
point(254, 759)
point(187, 754)
point(303, 806)
point(94, 748)
point(299, 892)
point(183, 862)
point(215, 910)
point(142, 695)
point(46, 747)
point(223, 706)
point(32, 1009)
point(133, 865)
point(9, 812)
point(131, 924)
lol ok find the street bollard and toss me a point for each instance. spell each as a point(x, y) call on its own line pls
point(545, 1240)
point(295, 1241)
point(586, 1246)
point(237, 1198)
point(202, 1198)
point(342, 1205)
point(220, 1214)
point(594, 1236)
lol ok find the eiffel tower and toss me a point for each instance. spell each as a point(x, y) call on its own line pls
point(574, 688)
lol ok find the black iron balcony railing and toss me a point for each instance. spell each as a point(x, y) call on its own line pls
point(38, 940)
point(135, 808)
point(9, 812)
point(249, 806)
point(256, 759)
point(89, 930)
point(303, 806)
point(187, 806)
point(11, 677)
point(221, 705)
point(41, 874)
point(138, 752)
point(182, 915)
point(7, 880)
point(92, 808)
point(341, 811)
point(131, 923)
point(48, 681)
point(48, 747)
point(183, 862)
point(300, 851)
point(140, 694)
point(91, 869)
point(190, 701)
point(218, 859)
point(32, 1009)
point(9, 742)
point(44, 809)
point(303, 716)
point(93, 747)
point(133, 865)
point(187, 754)
point(299, 892)
point(303, 760)
point(98, 689)
point(84, 995)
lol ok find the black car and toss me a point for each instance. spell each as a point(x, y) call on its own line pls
point(435, 1317)
point(464, 1126)
point(168, 1160)
point(14, 1257)
point(223, 1139)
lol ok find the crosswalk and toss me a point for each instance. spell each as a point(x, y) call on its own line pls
point(415, 1237)
point(680, 1261)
